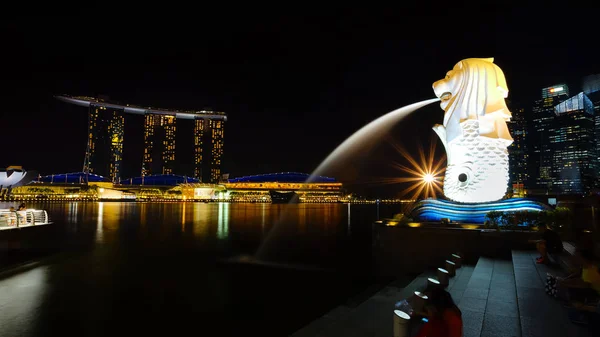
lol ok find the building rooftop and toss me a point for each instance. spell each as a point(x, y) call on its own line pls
point(135, 109)
point(159, 180)
point(283, 177)
point(71, 178)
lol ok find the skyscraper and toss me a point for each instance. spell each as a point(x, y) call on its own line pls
point(542, 121)
point(573, 144)
point(216, 127)
point(159, 144)
point(104, 150)
point(591, 88)
point(199, 126)
point(208, 149)
point(518, 154)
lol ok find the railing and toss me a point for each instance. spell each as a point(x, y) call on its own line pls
point(15, 219)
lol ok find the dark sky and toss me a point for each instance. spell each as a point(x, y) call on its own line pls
point(294, 86)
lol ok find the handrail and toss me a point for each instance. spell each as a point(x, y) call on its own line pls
point(17, 219)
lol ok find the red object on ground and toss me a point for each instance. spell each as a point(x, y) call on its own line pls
point(449, 325)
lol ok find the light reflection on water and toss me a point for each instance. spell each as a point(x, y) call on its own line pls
point(145, 259)
point(243, 226)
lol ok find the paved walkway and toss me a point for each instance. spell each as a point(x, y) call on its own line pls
point(374, 317)
point(498, 298)
point(540, 314)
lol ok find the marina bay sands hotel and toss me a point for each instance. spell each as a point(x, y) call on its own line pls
point(106, 129)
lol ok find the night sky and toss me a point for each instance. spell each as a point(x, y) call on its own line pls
point(293, 86)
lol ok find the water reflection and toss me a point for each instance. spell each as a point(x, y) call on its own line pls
point(349, 227)
point(144, 259)
point(21, 297)
point(264, 213)
point(73, 210)
point(202, 219)
point(223, 220)
point(183, 216)
point(100, 224)
point(302, 219)
point(243, 226)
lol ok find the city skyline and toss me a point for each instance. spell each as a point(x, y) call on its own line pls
point(294, 87)
point(556, 148)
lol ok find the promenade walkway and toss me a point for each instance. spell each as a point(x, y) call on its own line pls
point(498, 298)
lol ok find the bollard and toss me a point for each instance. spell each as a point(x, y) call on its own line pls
point(419, 302)
point(442, 276)
point(401, 320)
point(451, 268)
point(457, 260)
point(432, 284)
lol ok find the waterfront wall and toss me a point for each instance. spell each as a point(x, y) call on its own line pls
point(21, 244)
point(399, 251)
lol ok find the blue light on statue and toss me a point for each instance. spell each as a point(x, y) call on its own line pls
point(435, 210)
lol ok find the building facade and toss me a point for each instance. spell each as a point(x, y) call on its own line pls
point(591, 88)
point(208, 149)
point(518, 152)
point(564, 143)
point(159, 144)
point(104, 151)
point(216, 142)
point(573, 144)
point(542, 122)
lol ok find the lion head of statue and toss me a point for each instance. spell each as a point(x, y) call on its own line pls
point(474, 87)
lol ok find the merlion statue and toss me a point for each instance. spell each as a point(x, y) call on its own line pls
point(474, 132)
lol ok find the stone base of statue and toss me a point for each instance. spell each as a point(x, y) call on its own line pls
point(434, 210)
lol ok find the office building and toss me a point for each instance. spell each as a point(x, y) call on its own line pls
point(104, 150)
point(542, 122)
point(591, 88)
point(216, 139)
point(573, 144)
point(208, 149)
point(104, 153)
point(159, 144)
point(518, 154)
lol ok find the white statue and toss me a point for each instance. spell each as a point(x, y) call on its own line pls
point(474, 132)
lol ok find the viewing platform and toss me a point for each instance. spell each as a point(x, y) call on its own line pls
point(21, 219)
point(497, 298)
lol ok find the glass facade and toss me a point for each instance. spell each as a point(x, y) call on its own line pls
point(564, 143)
point(104, 150)
point(518, 154)
point(542, 122)
point(573, 142)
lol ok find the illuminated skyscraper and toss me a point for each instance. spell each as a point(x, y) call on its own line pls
point(104, 150)
point(199, 126)
point(216, 127)
point(565, 157)
point(159, 144)
point(543, 119)
point(573, 144)
point(591, 88)
point(104, 153)
point(518, 154)
point(208, 149)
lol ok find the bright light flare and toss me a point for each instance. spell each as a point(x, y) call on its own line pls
point(424, 174)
